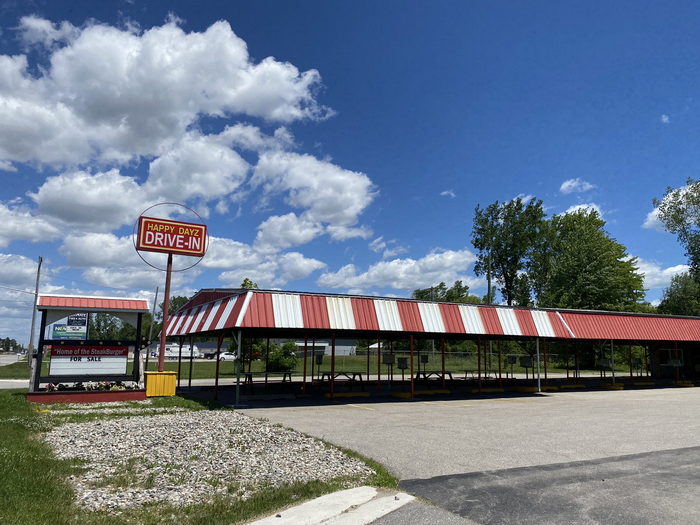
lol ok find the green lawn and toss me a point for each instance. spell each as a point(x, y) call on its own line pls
point(34, 487)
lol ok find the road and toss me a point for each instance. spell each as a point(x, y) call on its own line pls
point(576, 457)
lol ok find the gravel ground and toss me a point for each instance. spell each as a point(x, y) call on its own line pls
point(189, 458)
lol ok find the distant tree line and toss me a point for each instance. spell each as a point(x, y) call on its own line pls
point(10, 345)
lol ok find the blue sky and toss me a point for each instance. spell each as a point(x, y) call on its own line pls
point(331, 146)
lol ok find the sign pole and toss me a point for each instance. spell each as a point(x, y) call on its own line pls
point(166, 304)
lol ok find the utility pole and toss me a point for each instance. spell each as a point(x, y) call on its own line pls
point(30, 350)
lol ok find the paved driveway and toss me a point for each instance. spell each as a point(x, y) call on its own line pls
point(537, 459)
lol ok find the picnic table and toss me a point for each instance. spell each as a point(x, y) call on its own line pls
point(438, 374)
point(352, 377)
point(248, 379)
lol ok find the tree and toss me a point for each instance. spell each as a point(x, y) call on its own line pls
point(588, 268)
point(505, 235)
point(284, 358)
point(457, 293)
point(248, 284)
point(679, 211)
point(682, 297)
point(174, 305)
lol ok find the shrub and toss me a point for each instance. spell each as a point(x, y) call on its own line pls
point(283, 358)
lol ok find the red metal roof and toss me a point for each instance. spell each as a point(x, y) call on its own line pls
point(91, 304)
point(291, 310)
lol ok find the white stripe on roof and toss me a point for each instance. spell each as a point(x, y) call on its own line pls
point(432, 317)
point(198, 319)
point(340, 314)
point(388, 315)
point(227, 311)
point(244, 308)
point(210, 318)
point(175, 326)
point(542, 323)
point(509, 322)
point(471, 319)
point(287, 310)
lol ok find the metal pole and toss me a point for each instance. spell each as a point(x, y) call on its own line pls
point(411, 350)
point(150, 328)
point(218, 355)
point(306, 349)
point(30, 350)
point(166, 304)
point(189, 380)
point(612, 360)
point(332, 363)
point(179, 360)
point(478, 363)
point(238, 368)
point(539, 385)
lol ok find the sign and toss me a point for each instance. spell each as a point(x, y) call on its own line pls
point(166, 236)
point(68, 332)
point(88, 360)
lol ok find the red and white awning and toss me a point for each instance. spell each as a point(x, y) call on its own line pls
point(258, 309)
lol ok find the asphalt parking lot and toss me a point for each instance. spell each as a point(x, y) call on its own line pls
point(576, 457)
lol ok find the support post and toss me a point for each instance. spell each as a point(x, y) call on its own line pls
point(442, 351)
point(36, 363)
point(189, 379)
point(306, 357)
point(179, 360)
point(612, 360)
point(30, 350)
point(478, 363)
point(500, 370)
point(166, 304)
point(239, 349)
point(411, 355)
point(219, 340)
point(332, 363)
point(150, 328)
point(544, 347)
point(539, 384)
point(379, 364)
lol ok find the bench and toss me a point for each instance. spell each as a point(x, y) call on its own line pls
point(248, 379)
point(438, 374)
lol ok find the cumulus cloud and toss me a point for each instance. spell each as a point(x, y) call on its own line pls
point(653, 222)
point(19, 224)
point(99, 249)
point(196, 167)
point(657, 277)
point(329, 194)
point(448, 193)
point(590, 206)
point(281, 232)
point(273, 271)
point(404, 274)
point(575, 185)
point(17, 271)
point(98, 202)
point(117, 94)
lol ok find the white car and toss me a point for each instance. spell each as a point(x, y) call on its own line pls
point(227, 356)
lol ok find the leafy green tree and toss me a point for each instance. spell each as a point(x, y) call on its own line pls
point(679, 211)
point(505, 235)
point(283, 358)
point(249, 285)
point(682, 297)
point(457, 293)
point(590, 269)
point(104, 326)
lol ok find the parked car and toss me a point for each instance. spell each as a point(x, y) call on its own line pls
point(227, 356)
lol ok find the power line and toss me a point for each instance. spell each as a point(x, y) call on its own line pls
point(16, 289)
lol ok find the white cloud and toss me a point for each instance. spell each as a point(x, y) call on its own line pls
point(99, 249)
point(380, 245)
point(657, 277)
point(97, 202)
point(117, 94)
point(196, 167)
point(590, 206)
point(665, 119)
point(524, 198)
point(294, 266)
point(35, 30)
point(404, 274)
point(227, 253)
point(281, 232)
point(130, 278)
point(448, 193)
point(328, 193)
point(17, 271)
point(19, 224)
point(7, 166)
point(250, 137)
point(575, 185)
point(653, 222)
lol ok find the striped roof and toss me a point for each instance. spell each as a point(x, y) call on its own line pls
point(216, 310)
point(91, 304)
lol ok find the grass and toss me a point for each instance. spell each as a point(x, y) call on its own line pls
point(34, 487)
point(18, 370)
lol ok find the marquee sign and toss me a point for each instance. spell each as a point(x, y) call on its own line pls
point(88, 360)
point(166, 236)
